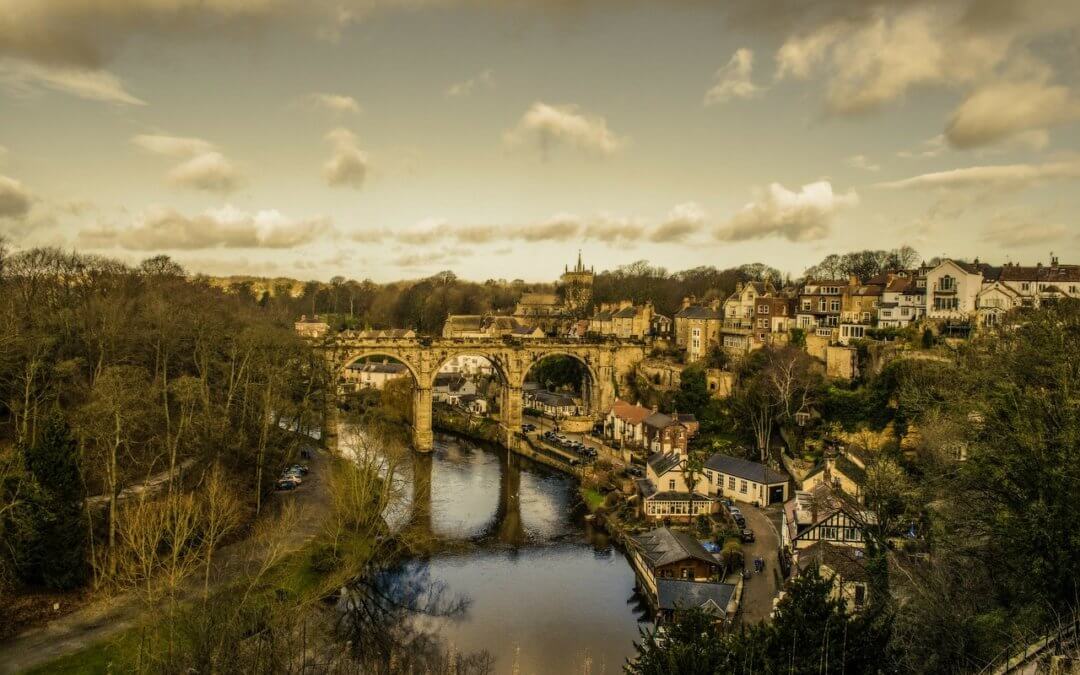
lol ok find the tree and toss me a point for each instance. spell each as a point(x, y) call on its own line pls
point(690, 646)
point(58, 551)
point(693, 393)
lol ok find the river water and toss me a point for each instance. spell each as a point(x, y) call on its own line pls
point(544, 594)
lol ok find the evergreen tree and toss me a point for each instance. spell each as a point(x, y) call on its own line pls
point(55, 554)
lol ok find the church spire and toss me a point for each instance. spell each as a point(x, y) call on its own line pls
point(580, 267)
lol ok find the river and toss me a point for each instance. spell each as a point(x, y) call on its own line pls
point(544, 594)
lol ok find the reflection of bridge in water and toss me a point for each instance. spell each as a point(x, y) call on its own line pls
point(607, 364)
point(506, 525)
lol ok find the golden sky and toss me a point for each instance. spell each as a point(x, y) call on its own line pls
point(389, 139)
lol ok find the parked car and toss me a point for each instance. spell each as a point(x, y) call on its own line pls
point(739, 520)
point(292, 475)
point(747, 536)
point(734, 510)
point(635, 471)
point(286, 484)
point(727, 502)
point(302, 468)
point(527, 428)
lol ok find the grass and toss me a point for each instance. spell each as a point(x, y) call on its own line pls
point(100, 657)
point(593, 498)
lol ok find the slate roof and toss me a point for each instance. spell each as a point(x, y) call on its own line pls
point(672, 594)
point(553, 399)
point(659, 420)
point(388, 368)
point(699, 312)
point(664, 546)
point(742, 468)
point(850, 469)
point(625, 313)
point(847, 561)
point(661, 462)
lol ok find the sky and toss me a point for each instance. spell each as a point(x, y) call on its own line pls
point(391, 139)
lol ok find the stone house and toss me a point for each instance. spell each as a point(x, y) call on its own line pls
point(625, 423)
point(313, 328)
point(450, 387)
point(858, 310)
point(845, 472)
point(666, 433)
point(819, 306)
point(845, 566)
point(697, 328)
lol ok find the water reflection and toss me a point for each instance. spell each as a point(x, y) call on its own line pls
point(543, 596)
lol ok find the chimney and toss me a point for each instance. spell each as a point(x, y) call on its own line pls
point(738, 286)
point(715, 303)
point(685, 302)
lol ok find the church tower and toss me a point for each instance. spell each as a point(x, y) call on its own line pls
point(577, 287)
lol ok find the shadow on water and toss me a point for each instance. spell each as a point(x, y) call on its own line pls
point(505, 569)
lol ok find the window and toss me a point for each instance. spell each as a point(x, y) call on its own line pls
point(671, 485)
point(947, 283)
point(1025, 286)
point(828, 533)
point(822, 304)
point(834, 306)
point(807, 305)
point(731, 482)
point(763, 309)
point(686, 573)
point(742, 487)
point(860, 595)
point(946, 304)
point(866, 316)
point(851, 534)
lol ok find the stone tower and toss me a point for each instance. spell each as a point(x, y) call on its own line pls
point(577, 287)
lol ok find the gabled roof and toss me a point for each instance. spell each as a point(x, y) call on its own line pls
point(664, 546)
point(553, 399)
point(673, 594)
point(662, 462)
point(659, 420)
point(847, 561)
point(625, 313)
point(744, 468)
point(629, 412)
point(699, 312)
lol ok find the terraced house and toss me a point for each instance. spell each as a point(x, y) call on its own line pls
point(698, 328)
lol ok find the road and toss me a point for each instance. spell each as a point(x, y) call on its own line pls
point(760, 589)
point(544, 424)
point(106, 618)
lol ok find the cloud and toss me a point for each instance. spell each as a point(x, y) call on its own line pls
point(172, 146)
point(204, 167)
point(483, 80)
point(683, 221)
point(348, 165)
point(25, 78)
point(337, 103)
point(15, 199)
point(805, 215)
point(1011, 233)
point(210, 172)
point(1004, 110)
point(734, 79)
point(861, 162)
point(931, 147)
point(227, 227)
point(1001, 176)
point(552, 125)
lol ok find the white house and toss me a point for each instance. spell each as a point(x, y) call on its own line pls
point(952, 289)
point(372, 375)
point(625, 423)
point(450, 387)
point(994, 301)
point(903, 301)
point(744, 481)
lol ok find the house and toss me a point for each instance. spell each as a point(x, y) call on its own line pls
point(810, 517)
point(665, 434)
point(450, 387)
point(311, 329)
point(664, 490)
point(845, 566)
point(739, 328)
point(600, 321)
point(952, 288)
point(661, 326)
point(470, 365)
point(744, 481)
point(475, 326)
point(389, 333)
point(773, 319)
point(625, 423)
point(903, 300)
point(678, 595)
point(819, 305)
point(551, 403)
point(578, 329)
point(632, 321)
point(373, 375)
point(845, 472)
point(858, 309)
point(1041, 284)
point(697, 328)
point(527, 333)
point(995, 300)
point(473, 403)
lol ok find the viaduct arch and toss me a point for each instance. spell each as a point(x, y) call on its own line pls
point(609, 365)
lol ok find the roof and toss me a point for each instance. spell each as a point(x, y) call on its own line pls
point(743, 468)
point(523, 330)
point(699, 312)
point(664, 546)
point(388, 368)
point(469, 398)
point(672, 594)
point(452, 381)
point(625, 313)
point(662, 462)
point(847, 561)
point(677, 496)
point(471, 322)
point(551, 398)
point(630, 412)
point(850, 469)
point(539, 299)
point(659, 420)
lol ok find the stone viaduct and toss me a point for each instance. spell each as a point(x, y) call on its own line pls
point(609, 365)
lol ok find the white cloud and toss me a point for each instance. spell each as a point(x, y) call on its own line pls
point(861, 162)
point(482, 80)
point(931, 147)
point(338, 103)
point(348, 165)
point(204, 168)
point(25, 78)
point(15, 199)
point(1000, 176)
point(552, 125)
point(210, 172)
point(683, 221)
point(734, 80)
point(805, 215)
point(1005, 110)
point(227, 227)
